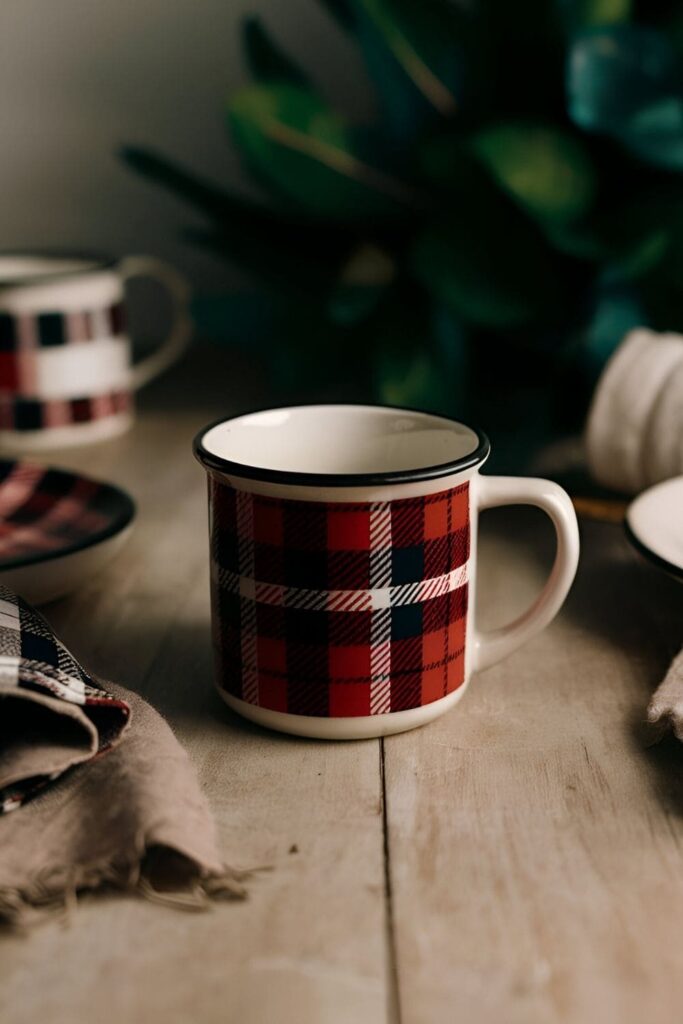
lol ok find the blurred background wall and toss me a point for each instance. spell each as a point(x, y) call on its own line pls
point(78, 78)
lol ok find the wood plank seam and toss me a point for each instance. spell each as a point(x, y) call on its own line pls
point(393, 988)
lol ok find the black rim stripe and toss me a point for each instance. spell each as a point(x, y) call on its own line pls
point(283, 476)
point(118, 504)
point(650, 556)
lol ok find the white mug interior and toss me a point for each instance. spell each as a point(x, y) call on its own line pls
point(37, 284)
point(27, 269)
point(345, 440)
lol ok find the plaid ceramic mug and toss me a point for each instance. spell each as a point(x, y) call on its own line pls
point(66, 371)
point(343, 564)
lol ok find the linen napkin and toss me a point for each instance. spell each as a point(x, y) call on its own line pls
point(94, 787)
point(665, 710)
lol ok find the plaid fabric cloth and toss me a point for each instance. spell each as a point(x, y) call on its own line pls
point(20, 413)
point(32, 659)
point(25, 331)
point(50, 510)
point(339, 609)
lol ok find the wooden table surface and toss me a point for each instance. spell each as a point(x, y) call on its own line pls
point(518, 860)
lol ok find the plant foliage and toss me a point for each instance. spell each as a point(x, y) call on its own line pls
point(518, 201)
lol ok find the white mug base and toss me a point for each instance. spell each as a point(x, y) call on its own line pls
point(364, 727)
point(18, 442)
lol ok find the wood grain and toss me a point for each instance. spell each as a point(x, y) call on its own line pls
point(518, 861)
point(536, 845)
point(309, 945)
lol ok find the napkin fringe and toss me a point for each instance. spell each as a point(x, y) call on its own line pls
point(56, 891)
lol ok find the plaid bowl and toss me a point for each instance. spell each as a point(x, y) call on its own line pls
point(47, 513)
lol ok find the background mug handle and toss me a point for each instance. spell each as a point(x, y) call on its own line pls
point(496, 644)
point(178, 338)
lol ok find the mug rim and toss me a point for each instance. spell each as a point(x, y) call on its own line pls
point(97, 263)
point(217, 463)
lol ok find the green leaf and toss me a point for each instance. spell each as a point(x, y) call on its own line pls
point(363, 281)
point(617, 310)
point(630, 237)
point(267, 62)
point(413, 52)
point(308, 155)
point(662, 287)
point(483, 278)
point(444, 159)
point(625, 82)
point(655, 133)
point(419, 357)
point(342, 12)
point(591, 13)
point(412, 379)
point(545, 169)
point(605, 12)
point(284, 250)
point(404, 108)
point(580, 241)
point(626, 258)
point(484, 258)
point(641, 258)
point(212, 201)
point(613, 73)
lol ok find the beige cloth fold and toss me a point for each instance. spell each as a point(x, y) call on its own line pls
point(133, 818)
point(665, 710)
point(43, 736)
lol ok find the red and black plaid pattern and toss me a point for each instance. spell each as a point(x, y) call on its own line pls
point(22, 338)
point(25, 331)
point(339, 609)
point(50, 511)
point(18, 413)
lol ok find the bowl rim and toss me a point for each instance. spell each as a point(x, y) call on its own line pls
point(121, 519)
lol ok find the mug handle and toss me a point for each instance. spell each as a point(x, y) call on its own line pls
point(178, 338)
point(492, 491)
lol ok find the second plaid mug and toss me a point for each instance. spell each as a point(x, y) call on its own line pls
point(66, 373)
point(343, 565)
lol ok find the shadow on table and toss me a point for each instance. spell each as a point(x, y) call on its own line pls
point(616, 594)
point(665, 766)
point(180, 685)
point(633, 606)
